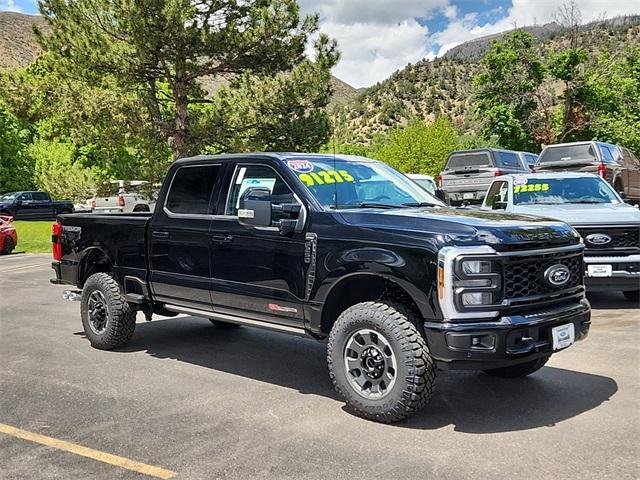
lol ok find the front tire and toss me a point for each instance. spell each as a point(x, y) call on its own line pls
point(519, 370)
point(379, 362)
point(107, 318)
point(632, 296)
point(8, 246)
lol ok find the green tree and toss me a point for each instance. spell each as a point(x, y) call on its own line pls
point(508, 92)
point(419, 147)
point(16, 166)
point(614, 89)
point(59, 170)
point(164, 49)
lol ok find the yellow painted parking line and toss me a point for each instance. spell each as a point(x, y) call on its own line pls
point(104, 457)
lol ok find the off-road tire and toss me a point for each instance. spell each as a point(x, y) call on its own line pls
point(519, 370)
point(632, 296)
point(121, 318)
point(416, 372)
point(8, 246)
point(141, 208)
point(227, 325)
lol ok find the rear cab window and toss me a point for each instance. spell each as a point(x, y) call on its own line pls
point(509, 160)
point(471, 159)
point(568, 153)
point(191, 189)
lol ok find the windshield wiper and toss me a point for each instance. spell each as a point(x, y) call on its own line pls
point(366, 205)
point(588, 202)
point(421, 204)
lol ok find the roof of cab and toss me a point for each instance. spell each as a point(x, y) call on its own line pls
point(283, 156)
point(549, 175)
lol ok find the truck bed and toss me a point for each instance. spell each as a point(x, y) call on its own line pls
point(121, 237)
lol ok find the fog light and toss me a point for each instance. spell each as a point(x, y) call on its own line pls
point(476, 266)
point(476, 298)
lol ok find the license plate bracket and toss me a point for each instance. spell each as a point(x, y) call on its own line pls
point(563, 336)
point(599, 270)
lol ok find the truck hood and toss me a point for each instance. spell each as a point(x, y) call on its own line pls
point(587, 214)
point(464, 227)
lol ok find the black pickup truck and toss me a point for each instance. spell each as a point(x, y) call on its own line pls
point(340, 249)
point(33, 206)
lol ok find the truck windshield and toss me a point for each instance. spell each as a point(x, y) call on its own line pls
point(364, 183)
point(9, 196)
point(553, 191)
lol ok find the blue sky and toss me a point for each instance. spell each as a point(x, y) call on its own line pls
point(378, 37)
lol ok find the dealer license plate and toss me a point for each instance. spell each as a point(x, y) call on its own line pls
point(599, 270)
point(468, 196)
point(563, 336)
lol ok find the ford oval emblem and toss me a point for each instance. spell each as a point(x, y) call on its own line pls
point(598, 239)
point(557, 275)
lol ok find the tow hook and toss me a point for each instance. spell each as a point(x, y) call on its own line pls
point(72, 295)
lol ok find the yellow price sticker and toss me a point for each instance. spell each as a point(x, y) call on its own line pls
point(531, 187)
point(323, 177)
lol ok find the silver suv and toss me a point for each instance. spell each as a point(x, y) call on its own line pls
point(468, 174)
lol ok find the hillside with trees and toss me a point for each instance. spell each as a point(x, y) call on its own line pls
point(445, 86)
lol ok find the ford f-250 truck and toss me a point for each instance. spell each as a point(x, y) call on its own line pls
point(341, 249)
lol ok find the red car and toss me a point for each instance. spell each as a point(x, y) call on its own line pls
point(8, 235)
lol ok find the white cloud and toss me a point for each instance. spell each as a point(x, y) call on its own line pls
point(525, 13)
point(375, 37)
point(9, 6)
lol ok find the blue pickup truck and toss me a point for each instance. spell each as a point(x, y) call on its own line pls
point(610, 228)
point(33, 206)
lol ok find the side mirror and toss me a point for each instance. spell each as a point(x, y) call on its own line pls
point(441, 195)
point(255, 207)
point(499, 206)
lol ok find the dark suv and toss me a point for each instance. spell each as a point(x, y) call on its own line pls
point(617, 165)
point(468, 174)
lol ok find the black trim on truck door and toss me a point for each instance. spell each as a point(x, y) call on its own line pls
point(179, 240)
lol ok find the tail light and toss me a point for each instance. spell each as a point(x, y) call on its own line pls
point(93, 203)
point(56, 240)
point(121, 200)
point(602, 171)
point(439, 181)
point(497, 173)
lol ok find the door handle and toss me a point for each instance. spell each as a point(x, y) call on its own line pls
point(160, 235)
point(221, 238)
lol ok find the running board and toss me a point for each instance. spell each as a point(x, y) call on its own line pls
point(237, 320)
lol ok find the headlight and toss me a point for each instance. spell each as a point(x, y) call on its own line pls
point(476, 266)
point(476, 298)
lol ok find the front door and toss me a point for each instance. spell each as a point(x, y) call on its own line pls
point(257, 272)
point(179, 241)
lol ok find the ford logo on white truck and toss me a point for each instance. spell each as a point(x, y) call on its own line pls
point(598, 239)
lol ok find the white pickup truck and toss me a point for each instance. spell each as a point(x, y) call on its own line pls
point(609, 227)
point(126, 200)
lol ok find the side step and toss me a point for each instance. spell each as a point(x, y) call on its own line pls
point(238, 320)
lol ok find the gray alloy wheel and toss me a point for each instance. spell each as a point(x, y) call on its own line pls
point(370, 364)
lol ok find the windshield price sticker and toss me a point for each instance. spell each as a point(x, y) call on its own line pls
point(531, 187)
point(300, 166)
point(326, 177)
point(520, 180)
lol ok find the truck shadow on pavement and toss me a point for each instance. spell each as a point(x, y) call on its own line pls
point(471, 401)
point(610, 301)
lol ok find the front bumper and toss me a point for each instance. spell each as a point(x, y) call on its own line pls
point(625, 274)
point(506, 341)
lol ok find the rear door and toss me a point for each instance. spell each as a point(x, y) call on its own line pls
point(179, 240)
point(257, 272)
point(42, 205)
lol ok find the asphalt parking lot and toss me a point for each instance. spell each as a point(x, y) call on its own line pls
point(202, 402)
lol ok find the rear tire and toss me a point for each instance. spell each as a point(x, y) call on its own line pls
point(107, 318)
point(379, 362)
point(226, 325)
point(8, 246)
point(141, 208)
point(519, 370)
point(632, 296)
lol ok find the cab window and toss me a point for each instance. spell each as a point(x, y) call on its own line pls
point(247, 176)
point(498, 193)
